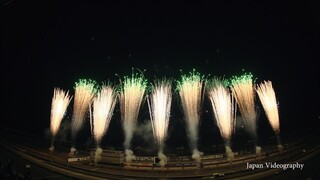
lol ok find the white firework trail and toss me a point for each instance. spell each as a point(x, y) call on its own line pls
point(159, 104)
point(84, 93)
point(243, 90)
point(132, 91)
point(268, 100)
point(103, 106)
point(60, 102)
point(224, 111)
point(191, 91)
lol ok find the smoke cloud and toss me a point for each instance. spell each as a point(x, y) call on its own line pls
point(129, 155)
point(196, 155)
point(61, 136)
point(280, 147)
point(144, 131)
point(229, 153)
point(128, 134)
point(72, 151)
point(163, 159)
point(258, 149)
point(51, 149)
point(193, 134)
point(97, 155)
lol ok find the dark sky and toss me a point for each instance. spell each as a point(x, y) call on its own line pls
point(47, 45)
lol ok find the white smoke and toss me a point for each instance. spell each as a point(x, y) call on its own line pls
point(97, 155)
point(229, 153)
point(163, 159)
point(258, 149)
point(129, 155)
point(60, 136)
point(280, 147)
point(51, 149)
point(63, 131)
point(193, 134)
point(47, 133)
point(72, 151)
point(128, 133)
point(144, 130)
point(196, 155)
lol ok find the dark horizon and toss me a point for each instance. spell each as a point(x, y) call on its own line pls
point(53, 44)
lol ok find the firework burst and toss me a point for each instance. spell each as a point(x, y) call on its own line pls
point(84, 93)
point(159, 108)
point(268, 100)
point(191, 94)
point(131, 94)
point(60, 102)
point(223, 108)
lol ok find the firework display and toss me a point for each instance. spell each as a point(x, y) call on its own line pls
point(159, 104)
point(268, 100)
point(131, 95)
point(60, 102)
point(243, 90)
point(191, 94)
point(103, 106)
point(224, 96)
point(223, 108)
point(84, 93)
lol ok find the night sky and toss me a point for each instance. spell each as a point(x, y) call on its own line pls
point(47, 45)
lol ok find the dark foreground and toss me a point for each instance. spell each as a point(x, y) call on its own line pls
point(22, 161)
